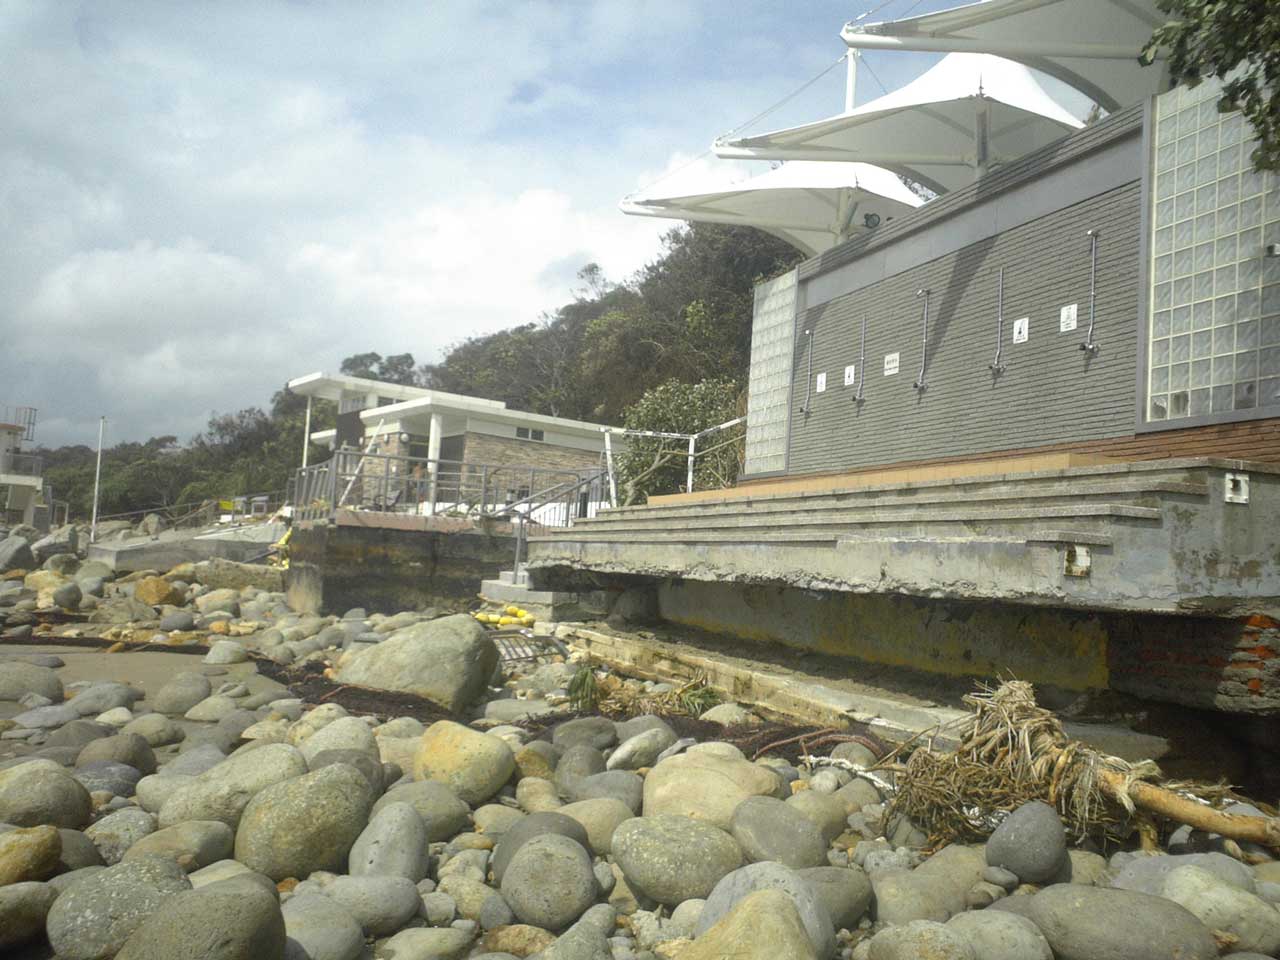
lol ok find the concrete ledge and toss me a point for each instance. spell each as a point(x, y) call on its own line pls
point(773, 693)
point(515, 593)
point(798, 697)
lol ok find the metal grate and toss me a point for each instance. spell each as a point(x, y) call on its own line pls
point(521, 646)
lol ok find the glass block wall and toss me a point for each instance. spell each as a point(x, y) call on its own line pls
point(769, 389)
point(1214, 344)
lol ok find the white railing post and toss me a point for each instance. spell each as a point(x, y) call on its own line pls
point(608, 461)
point(693, 443)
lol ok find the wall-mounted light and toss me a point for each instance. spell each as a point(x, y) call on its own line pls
point(871, 220)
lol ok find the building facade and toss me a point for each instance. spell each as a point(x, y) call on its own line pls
point(21, 483)
point(1115, 294)
point(1031, 427)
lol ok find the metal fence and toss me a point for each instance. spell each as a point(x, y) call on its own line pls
point(21, 417)
point(385, 483)
point(21, 464)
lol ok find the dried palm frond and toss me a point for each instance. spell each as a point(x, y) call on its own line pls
point(1012, 751)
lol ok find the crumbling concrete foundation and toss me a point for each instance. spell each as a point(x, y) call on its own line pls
point(385, 569)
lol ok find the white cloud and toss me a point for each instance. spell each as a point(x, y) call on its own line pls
point(200, 201)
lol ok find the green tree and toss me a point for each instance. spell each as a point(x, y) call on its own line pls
point(655, 465)
point(398, 368)
point(1237, 41)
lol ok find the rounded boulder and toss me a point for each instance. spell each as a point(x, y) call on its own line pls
point(474, 765)
point(92, 919)
point(706, 786)
point(755, 877)
point(1100, 923)
point(768, 829)
point(1030, 842)
point(549, 882)
point(41, 791)
point(235, 919)
point(393, 844)
point(672, 859)
point(308, 823)
point(17, 679)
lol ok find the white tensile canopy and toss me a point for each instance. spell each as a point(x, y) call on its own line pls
point(812, 206)
point(1092, 45)
point(968, 113)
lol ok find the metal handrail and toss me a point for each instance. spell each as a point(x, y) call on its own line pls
point(22, 417)
point(22, 464)
point(389, 483)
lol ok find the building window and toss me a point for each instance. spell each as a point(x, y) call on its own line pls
point(351, 404)
point(524, 433)
point(386, 401)
point(1214, 325)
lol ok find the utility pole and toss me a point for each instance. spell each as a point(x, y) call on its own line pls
point(97, 479)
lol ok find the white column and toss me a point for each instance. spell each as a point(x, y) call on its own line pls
point(851, 79)
point(306, 433)
point(693, 444)
point(608, 461)
point(97, 479)
point(981, 140)
point(433, 455)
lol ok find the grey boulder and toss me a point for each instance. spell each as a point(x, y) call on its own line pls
point(117, 832)
point(235, 919)
point(1030, 843)
point(1000, 935)
point(393, 844)
point(181, 693)
point(92, 919)
point(448, 661)
point(918, 939)
point(380, 905)
point(224, 790)
point(23, 909)
point(18, 679)
point(844, 891)
point(769, 829)
point(41, 791)
point(549, 882)
point(671, 858)
point(755, 877)
point(1097, 923)
point(444, 814)
point(309, 823)
point(318, 928)
point(534, 825)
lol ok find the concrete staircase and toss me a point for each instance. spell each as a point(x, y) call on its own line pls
point(1138, 536)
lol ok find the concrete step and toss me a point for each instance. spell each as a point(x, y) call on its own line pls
point(520, 594)
point(834, 524)
point(1141, 490)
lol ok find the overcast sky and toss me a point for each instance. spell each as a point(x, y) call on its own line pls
point(201, 200)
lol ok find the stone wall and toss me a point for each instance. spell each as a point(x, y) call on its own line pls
point(488, 449)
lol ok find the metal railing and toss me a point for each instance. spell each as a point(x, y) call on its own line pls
point(416, 486)
point(22, 417)
point(22, 464)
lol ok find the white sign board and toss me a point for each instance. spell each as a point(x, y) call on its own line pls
point(890, 364)
point(1067, 318)
point(850, 375)
point(1021, 329)
point(821, 385)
